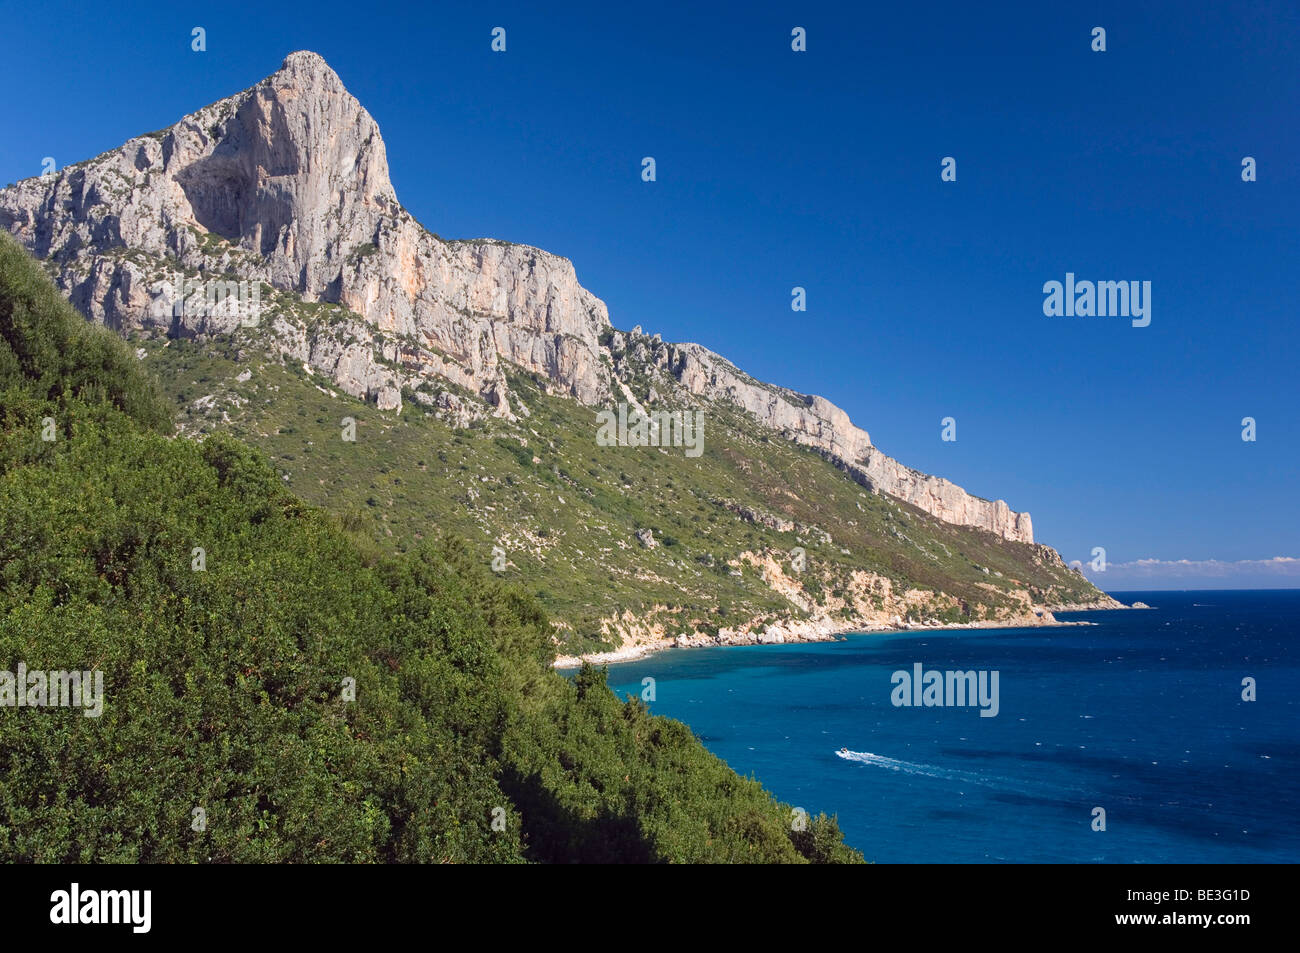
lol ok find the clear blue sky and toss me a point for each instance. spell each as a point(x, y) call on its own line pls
point(821, 169)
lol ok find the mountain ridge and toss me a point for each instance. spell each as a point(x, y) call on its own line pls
point(292, 175)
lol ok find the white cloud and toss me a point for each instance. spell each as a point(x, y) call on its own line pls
point(1278, 570)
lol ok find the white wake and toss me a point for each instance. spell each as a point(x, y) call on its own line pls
point(1024, 785)
point(910, 767)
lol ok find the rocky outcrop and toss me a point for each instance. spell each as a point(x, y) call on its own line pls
point(286, 183)
point(816, 422)
point(870, 603)
point(809, 420)
point(939, 497)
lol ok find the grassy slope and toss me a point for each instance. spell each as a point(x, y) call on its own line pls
point(567, 522)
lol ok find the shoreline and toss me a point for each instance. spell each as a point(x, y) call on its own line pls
point(822, 631)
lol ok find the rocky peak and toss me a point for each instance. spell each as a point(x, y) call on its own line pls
point(287, 183)
point(293, 170)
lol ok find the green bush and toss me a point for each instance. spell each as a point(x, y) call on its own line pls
point(228, 691)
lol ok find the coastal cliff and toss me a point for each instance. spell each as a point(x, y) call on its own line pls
point(287, 184)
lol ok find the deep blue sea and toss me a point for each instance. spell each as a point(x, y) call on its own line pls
point(1140, 714)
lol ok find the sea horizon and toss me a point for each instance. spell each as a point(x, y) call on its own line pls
point(1139, 714)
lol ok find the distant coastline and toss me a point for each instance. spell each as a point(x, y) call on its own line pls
point(823, 631)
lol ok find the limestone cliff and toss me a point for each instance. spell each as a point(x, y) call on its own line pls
point(286, 183)
point(818, 423)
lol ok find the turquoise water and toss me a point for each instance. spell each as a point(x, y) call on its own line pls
point(1141, 715)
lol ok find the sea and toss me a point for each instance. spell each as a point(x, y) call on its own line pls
point(1162, 735)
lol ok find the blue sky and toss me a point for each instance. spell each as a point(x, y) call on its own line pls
point(822, 169)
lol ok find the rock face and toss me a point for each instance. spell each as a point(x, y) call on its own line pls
point(816, 422)
point(287, 184)
point(293, 176)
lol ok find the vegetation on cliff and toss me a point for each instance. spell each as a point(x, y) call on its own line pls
point(295, 693)
point(565, 512)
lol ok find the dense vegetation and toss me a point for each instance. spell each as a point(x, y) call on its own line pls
point(229, 729)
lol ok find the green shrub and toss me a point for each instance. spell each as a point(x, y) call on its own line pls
point(229, 691)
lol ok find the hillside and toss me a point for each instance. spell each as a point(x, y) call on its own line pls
point(475, 371)
point(295, 695)
point(565, 513)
